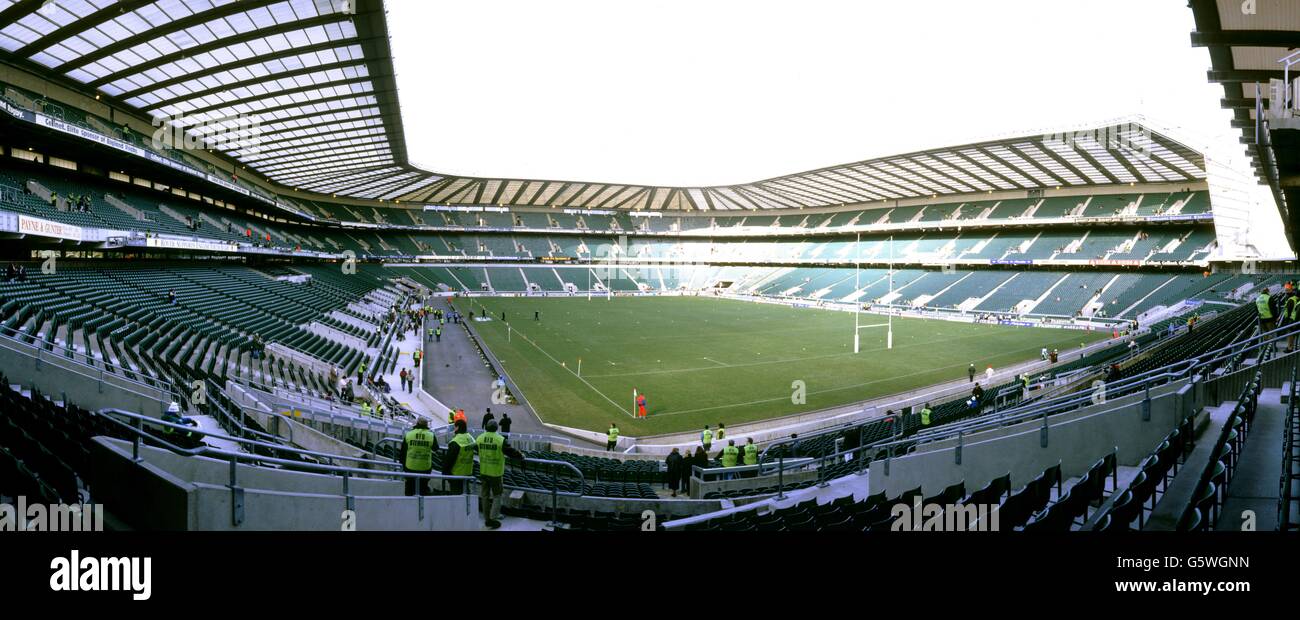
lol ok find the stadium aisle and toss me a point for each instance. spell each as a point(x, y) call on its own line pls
point(1254, 484)
point(454, 374)
point(413, 401)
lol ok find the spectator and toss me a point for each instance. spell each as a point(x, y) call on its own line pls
point(674, 462)
point(505, 423)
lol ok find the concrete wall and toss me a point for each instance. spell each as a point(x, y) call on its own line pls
point(63, 379)
point(167, 491)
point(1075, 440)
point(700, 488)
point(663, 506)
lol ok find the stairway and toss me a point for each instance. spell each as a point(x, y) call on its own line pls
point(131, 211)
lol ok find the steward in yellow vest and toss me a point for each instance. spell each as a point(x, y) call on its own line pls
point(417, 456)
point(492, 452)
point(459, 460)
point(730, 454)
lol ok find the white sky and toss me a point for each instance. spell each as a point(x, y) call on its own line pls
point(711, 92)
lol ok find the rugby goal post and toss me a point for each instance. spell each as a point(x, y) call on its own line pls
point(889, 335)
point(857, 309)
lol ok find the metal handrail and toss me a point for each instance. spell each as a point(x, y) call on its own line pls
point(555, 487)
point(137, 428)
point(45, 347)
point(108, 414)
point(1157, 376)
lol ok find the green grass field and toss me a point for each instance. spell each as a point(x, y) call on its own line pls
point(703, 361)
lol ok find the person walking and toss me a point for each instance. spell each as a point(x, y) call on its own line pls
point(706, 439)
point(970, 372)
point(505, 423)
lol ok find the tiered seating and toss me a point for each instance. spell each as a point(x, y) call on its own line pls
point(1129, 508)
point(1212, 486)
point(44, 448)
point(120, 319)
point(608, 470)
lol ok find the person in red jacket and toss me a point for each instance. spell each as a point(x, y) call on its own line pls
point(640, 405)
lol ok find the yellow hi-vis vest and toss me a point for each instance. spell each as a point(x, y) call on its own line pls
point(491, 457)
point(751, 454)
point(1292, 307)
point(722, 434)
point(613, 434)
point(365, 409)
point(925, 417)
point(464, 465)
point(1261, 304)
point(419, 449)
point(729, 455)
point(706, 437)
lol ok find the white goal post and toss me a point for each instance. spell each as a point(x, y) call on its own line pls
point(857, 286)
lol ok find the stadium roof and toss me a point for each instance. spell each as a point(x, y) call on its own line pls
point(1247, 42)
point(316, 76)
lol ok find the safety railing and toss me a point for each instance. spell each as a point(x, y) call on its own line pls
point(1143, 382)
point(42, 351)
point(137, 425)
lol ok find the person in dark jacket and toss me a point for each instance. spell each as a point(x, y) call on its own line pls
point(701, 459)
point(674, 462)
point(504, 423)
point(1114, 374)
point(488, 417)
